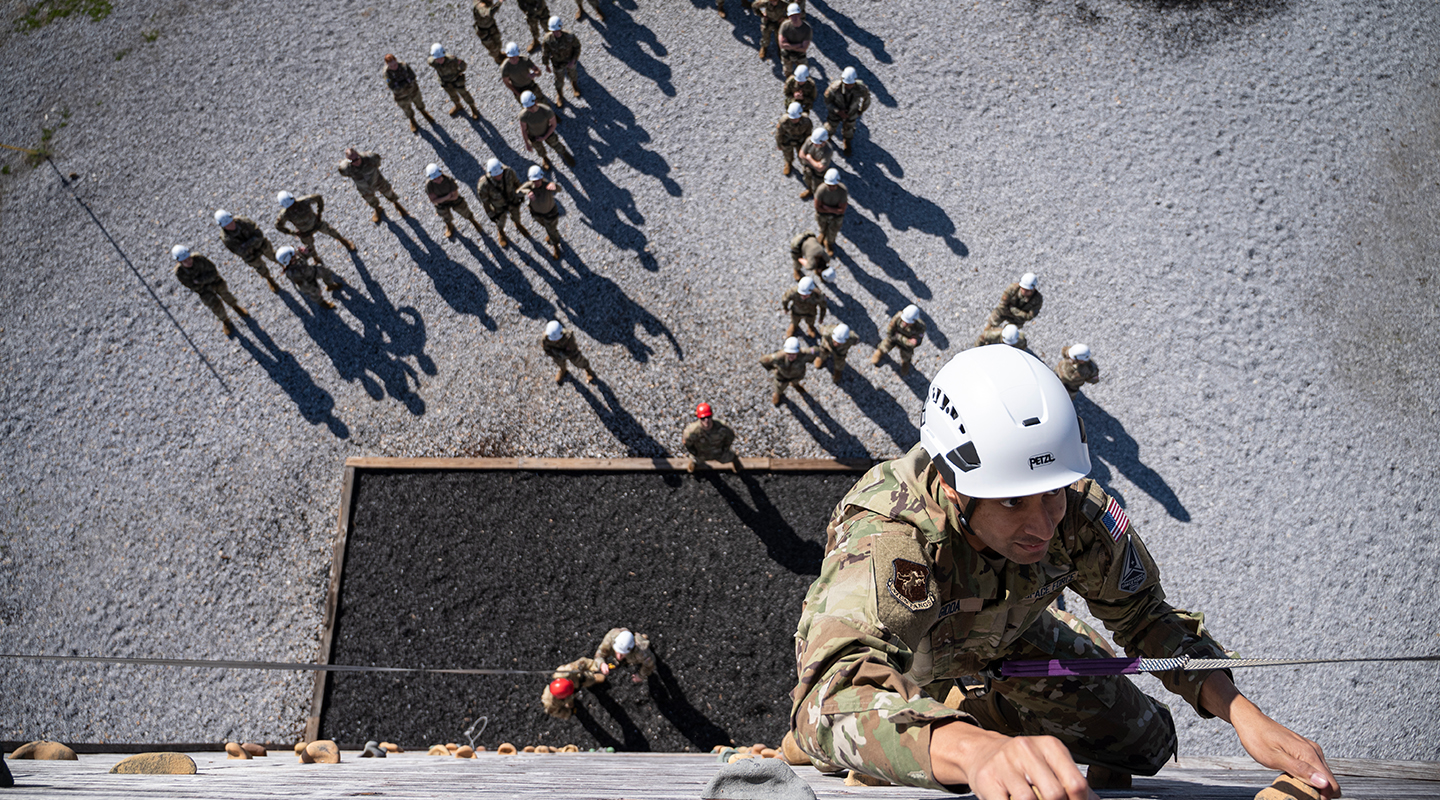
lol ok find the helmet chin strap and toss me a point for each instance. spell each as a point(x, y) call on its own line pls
point(969, 510)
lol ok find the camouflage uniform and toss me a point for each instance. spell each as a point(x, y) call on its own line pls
point(249, 243)
point(543, 208)
point(534, 122)
point(844, 104)
point(640, 658)
point(895, 335)
point(487, 28)
point(791, 135)
point(1014, 309)
point(814, 178)
point(807, 246)
point(809, 309)
point(304, 217)
point(442, 187)
point(561, 55)
point(559, 351)
point(521, 73)
point(783, 372)
point(369, 181)
point(837, 196)
point(802, 92)
point(406, 91)
point(306, 272)
point(711, 445)
point(994, 336)
point(772, 13)
point(500, 196)
point(537, 16)
point(202, 278)
point(584, 673)
point(904, 602)
point(451, 73)
point(1075, 374)
point(793, 34)
point(580, 10)
point(836, 351)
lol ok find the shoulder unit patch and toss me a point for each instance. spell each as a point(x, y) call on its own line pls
point(910, 584)
point(1134, 575)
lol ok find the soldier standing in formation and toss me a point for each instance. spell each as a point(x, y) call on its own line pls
point(846, 100)
point(815, 159)
point(540, 196)
point(451, 72)
point(301, 218)
point(1019, 303)
point(243, 237)
point(198, 274)
point(772, 13)
point(708, 439)
point(306, 272)
point(831, 200)
point(537, 129)
point(836, 343)
point(487, 28)
point(518, 73)
point(630, 649)
point(794, 38)
point(561, 56)
point(558, 698)
point(1076, 369)
point(400, 78)
point(800, 89)
point(559, 344)
point(806, 252)
point(791, 133)
point(444, 194)
point(905, 331)
point(787, 367)
point(537, 13)
point(364, 170)
point(1009, 334)
point(806, 304)
point(499, 193)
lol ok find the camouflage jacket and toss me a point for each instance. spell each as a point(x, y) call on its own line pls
point(584, 673)
point(451, 71)
point(903, 600)
point(834, 348)
point(499, 196)
point(366, 174)
point(246, 240)
point(807, 246)
point(707, 445)
point(787, 370)
point(773, 11)
point(303, 269)
point(521, 73)
point(848, 100)
point(1014, 309)
point(442, 187)
point(401, 81)
point(564, 347)
point(200, 277)
point(561, 47)
point(898, 331)
point(484, 16)
point(993, 336)
point(821, 152)
point(535, 9)
point(640, 658)
point(806, 89)
point(804, 305)
point(1075, 374)
point(304, 214)
point(541, 195)
point(793, 132)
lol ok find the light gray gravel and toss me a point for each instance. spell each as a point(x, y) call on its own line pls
point(1234, 202)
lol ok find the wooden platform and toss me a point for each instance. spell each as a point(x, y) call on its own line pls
point(637, 776)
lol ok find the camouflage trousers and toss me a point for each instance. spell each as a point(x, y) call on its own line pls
point(579, 360)
point(215, 297)
point(829, 225)
point(410, 101)
point(490, 37)
point(846, 125)
point(572, 70)
point(790, 59)
point(382, 187)
point(310, 287)
point(555, 144)
point(580, 8)
point(768, 31)
point(307, 238)
point(887, 344)
point(537, 24)
point(550, 222)
point(458, 93)
point(499, 217)
point(781, 384)
point(796, 320)
point(256, 260)
point(813, 178)
point(837, 364)
point(447, 211)
point(788, 149)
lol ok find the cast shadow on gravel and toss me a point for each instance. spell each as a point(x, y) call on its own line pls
point(402, 330)
point(784, 546)
point(879, 406)
point(1110, 443)
point(623, 37)
point(632, 739)
point(621, 423)
point(744, 23)
point(848, 31)
point(823, 428)
point(314, 404)
point(870, 187)
point(456, 285)
point(680, 712)
point(457, 160)
point(509, 278)
point(599, 307)
point(871, 240)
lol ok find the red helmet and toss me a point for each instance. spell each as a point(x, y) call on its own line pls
point(703, 410)
point(562, 688)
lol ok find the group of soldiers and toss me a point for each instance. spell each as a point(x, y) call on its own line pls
point(620, 647)
point(1019, 304)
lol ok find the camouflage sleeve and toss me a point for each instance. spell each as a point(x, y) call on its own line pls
point(821, 306)
point(727, 438)
point(687, 439)
point(854, 706)
point(1121, 584)
point(606, 651)
point(646, 659)
point(768, 361)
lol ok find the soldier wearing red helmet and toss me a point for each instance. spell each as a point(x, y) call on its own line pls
point(708, 439)
point(559, 696)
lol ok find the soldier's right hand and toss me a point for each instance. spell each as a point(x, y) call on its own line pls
point(999, 767)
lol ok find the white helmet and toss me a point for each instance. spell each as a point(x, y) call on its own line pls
point(1010, 335)
point(432, 171)
point(806, 285)
point(802, 73)
point(1029, 281)
point(284, 254)
point(223, 218)
point(527, 99)
point(792, 345)
point(1080, 351)
point(437, 50)
point(794, 111)
point(997, 423)
point(909, 314)
point(792, 10)
point(512, 50)
point(624, 643)
point(848, 75)
point(553, 330)
point(556, 24)
point(535, 173)
point(828, 273)
point(285, 199)
point(179, 252)
point(819, 135)
point(841, 334)
point(832, 177)
point(494, 167)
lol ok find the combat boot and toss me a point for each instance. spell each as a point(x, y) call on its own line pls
point(500, 237)
point(814, 334)
point(579, 12)
point(800, 387)
point(575, 90)
point(349, 245)
point(335, 287)
point(227, 328)
point(546, 165)
point(327, 305)
point(241, 311)
point(555, 251)
point(376, 215)
point(847, 146)
point(763, 49)
point(474, 112)
point(590, 376)
point(274, 287)
point(428, 118)
point(402, 210)
point(560, 376)
point(786, 170)
point(819, 361)
point(568, 158)
point(559, 99)
point(449, 231)
point(775, 399)
point(414, 127)
point(455, 110)
point(875, 359)
point(805, 195)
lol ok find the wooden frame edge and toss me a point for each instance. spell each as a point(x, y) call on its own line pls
point(332, 602)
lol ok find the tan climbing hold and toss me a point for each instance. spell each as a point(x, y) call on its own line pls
point(300, 747)
point(529, 748)
point(255, 750)
point(506, 749)
point(465, 752)
point(769, 752)
point(451, 746)
point(570, 748)
point(233, 751)
point(323, 751)
point(1287, 787)
point(741, 756)
point(438, 750)
point(391, 747)
point(44, 751)
point(156, 764)
point(757, 749)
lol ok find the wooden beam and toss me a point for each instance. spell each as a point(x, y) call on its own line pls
point(332, 602)
point(607, 464)
point(1342, 767)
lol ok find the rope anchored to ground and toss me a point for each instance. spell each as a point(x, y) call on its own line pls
point(1062, 667)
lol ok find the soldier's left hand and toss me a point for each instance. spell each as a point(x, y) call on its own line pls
point(1277, 747)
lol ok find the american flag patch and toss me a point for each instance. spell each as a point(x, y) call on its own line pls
point(1114, 520)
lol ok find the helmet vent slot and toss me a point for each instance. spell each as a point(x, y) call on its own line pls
point(1032, 421)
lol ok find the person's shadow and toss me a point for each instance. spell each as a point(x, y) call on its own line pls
point(846, 32)
point(633, 45)
point(456, 285)
point(872, 189)
point(399, 331)
point(621, 423)
point(874, 243)
point(823, 428)
point(680, 712)
point(1110, 443)
point(632, 739)
point(315, 404)
point(782, 543)
point(599, 307)
point(879, 406)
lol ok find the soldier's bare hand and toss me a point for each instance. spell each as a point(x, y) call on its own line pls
point(999, 767)
point(1277, 747)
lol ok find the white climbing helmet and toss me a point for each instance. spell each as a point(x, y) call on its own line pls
point(794, 111)
point(792, 345)
point(624, 643)
point(512, 50)
point(285, 199)
point(553, 330)
point(556, 24)
point(222, 217)
point(802, 73)
point(179, 252)
point(832, 177)
point(527, 99)
point(494, 167)
point(819, 135)
point(1010, 334)
point(998, 423)
point(805, 286)
point(909, 314)
point(432, 171)
point(848, 76)
point(284, 254)
point(841, 334)
point(535, 172)
point(1029, 281)
point(828, 273)
point(437, 50)
point(1080, 351)
point(792, 10)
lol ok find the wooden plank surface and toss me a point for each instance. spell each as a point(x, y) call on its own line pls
point(332, 603)
point(582, 776)
point(607, 464)
point(1354, 767)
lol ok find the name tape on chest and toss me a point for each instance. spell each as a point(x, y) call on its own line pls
point(1053, 586)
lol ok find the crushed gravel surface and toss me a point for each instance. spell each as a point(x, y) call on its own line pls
point(1233, 201)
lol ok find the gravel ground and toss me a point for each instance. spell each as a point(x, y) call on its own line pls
point(1234, 202)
